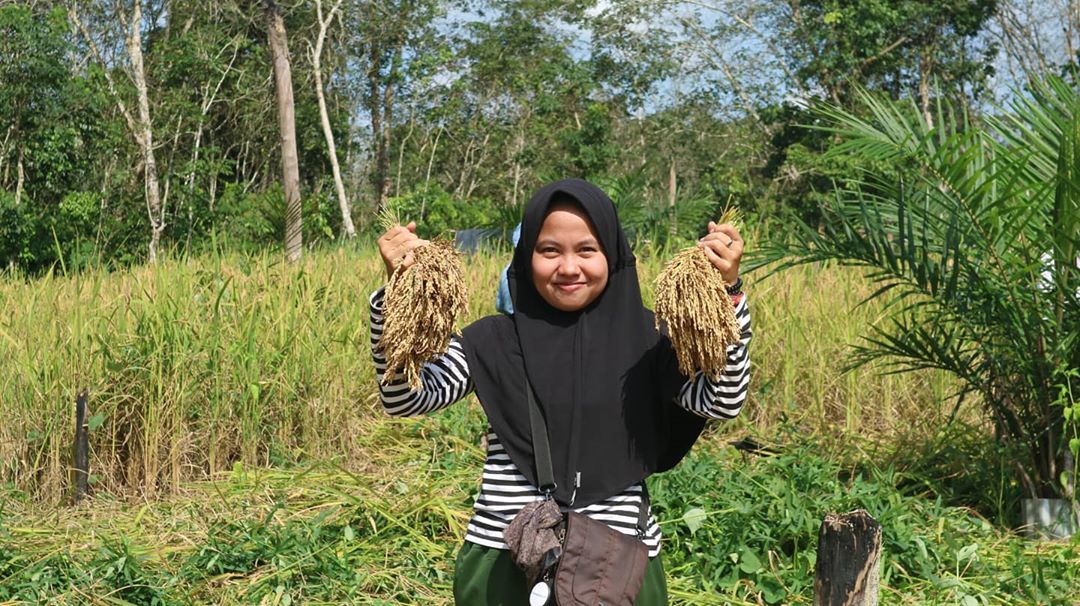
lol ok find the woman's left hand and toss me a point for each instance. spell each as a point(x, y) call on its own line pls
point(724, 248)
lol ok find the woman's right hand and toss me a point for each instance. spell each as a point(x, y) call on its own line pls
point(396, 246)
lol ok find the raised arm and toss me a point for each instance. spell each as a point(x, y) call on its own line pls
point(724, 396)
point(443, 381)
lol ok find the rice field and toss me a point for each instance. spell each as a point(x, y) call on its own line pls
point(239, 454)
point(196, 365)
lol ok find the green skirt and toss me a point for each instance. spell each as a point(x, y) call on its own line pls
point(484, 576)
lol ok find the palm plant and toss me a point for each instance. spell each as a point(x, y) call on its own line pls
point(971, 232)
point(648, 218)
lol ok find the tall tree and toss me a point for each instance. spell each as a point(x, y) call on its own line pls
point(917, 49)
point(34, 75)
point(192, 59)
point(384, 57)
point(901, 47)
point(387, 37)
point(523, 105)
point(139, 124)
point(347, 227)
point(290, 166)
point(1036, 37)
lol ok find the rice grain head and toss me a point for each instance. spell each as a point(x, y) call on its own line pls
point(421, 306)
point(692, 301)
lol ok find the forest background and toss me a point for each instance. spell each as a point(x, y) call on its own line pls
point(161, 159)
point(127, 131)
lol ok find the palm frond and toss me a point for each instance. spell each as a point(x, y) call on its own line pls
point(970, 236)
point(909, 343)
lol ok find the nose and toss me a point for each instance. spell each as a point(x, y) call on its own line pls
point(568, 266)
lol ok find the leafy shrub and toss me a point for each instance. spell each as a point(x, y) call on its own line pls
point(19, 242)
point(749, 527)
point(119, 571)
point(253, 220)
point(438, 213)
point(648, 219)
point(941, 467)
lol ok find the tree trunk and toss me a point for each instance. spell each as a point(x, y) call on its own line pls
point(382, 163)
point(378, 179)
point(3, 156)
point(382, 166)
point(381, 93)
point(331, 149)
point(848, 569)
point(81, 450)
point(519, 146)
point(144, 133)
point(672, 194)
point(431, 159)
point(925, 69)
point(401, 153)
point(20, 177)
point(191, 182)
point(290, 163)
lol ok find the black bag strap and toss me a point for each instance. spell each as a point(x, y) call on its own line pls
point(643, 511)
point(545, 475)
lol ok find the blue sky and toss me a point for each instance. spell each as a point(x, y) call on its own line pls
point(745, 52)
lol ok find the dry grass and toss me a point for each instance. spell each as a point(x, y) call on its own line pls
point(804, 321)
point(194, 366)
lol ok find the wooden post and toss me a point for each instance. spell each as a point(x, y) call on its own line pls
point(848, 560)
point(82, 448)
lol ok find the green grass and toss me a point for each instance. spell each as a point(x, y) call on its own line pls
point(738, 531)
point(239, 454)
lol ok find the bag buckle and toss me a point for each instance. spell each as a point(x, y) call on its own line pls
point(548, 491)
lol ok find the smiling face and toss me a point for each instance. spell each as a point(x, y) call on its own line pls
point(569, 268)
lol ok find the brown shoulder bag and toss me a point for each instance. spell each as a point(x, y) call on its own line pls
point(594, 565)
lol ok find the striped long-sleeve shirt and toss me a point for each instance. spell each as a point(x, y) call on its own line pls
point(503, 488)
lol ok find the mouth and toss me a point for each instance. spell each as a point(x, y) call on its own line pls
point(570, 287)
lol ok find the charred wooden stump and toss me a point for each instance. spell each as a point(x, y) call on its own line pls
point(848, 560)
point(81, 454)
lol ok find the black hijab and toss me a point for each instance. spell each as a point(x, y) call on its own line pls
point(603, 376)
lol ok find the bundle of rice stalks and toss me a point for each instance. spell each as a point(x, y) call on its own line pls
point(420, 307)
point(692, 300)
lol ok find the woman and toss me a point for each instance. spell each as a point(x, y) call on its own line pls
point(607, 381)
